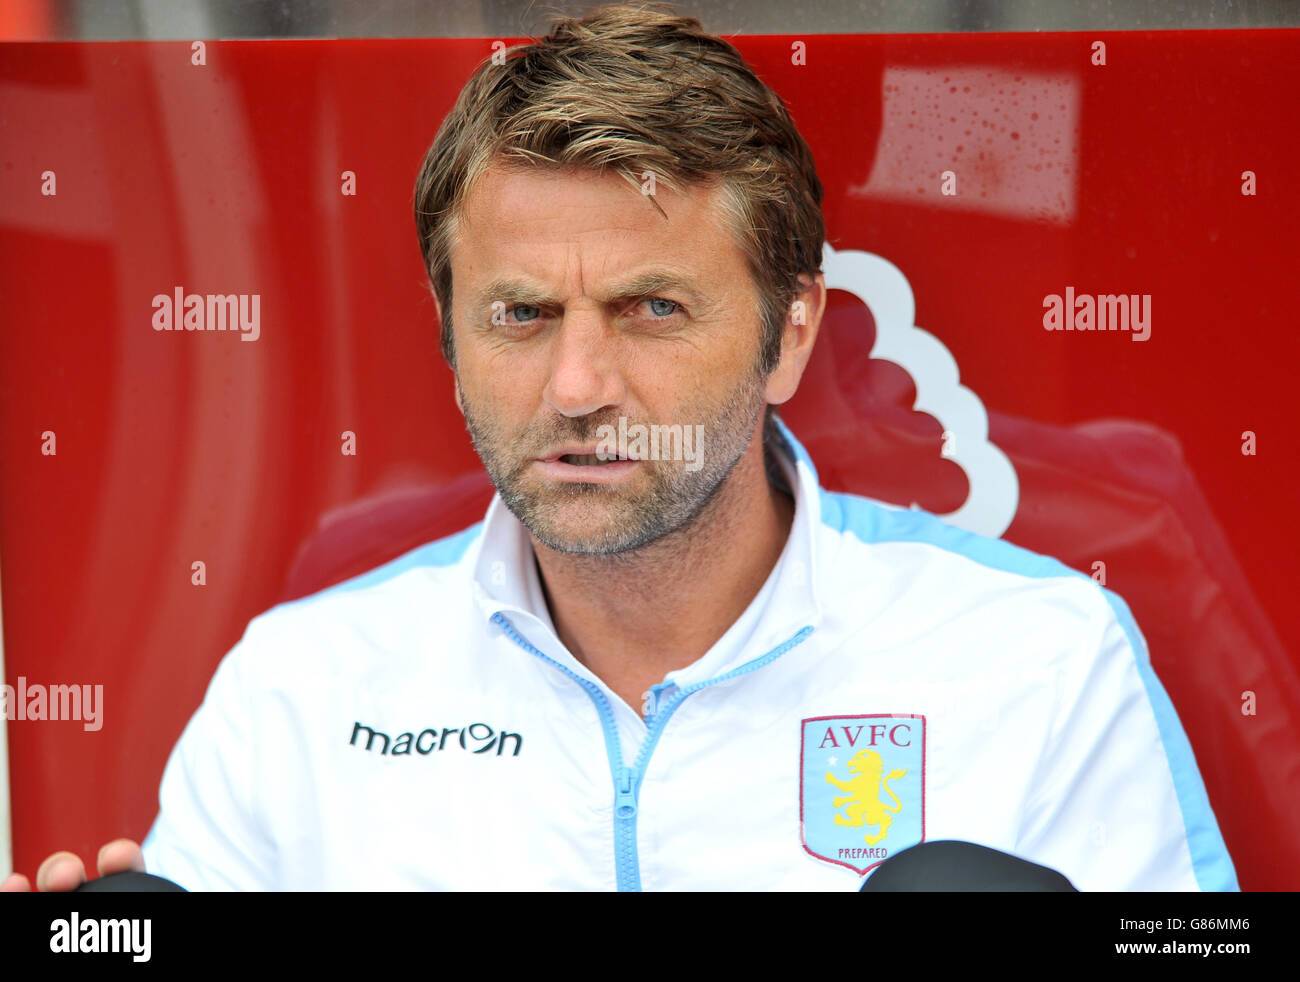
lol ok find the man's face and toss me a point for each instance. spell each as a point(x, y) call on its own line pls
point(576, 304)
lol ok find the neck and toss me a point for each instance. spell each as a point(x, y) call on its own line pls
point(633, 617)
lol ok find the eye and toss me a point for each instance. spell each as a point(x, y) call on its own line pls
point(662, 307)
point(529, 313)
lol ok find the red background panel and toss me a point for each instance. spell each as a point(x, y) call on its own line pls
point(225, 178)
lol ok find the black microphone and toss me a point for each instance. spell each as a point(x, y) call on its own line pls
point(953, 865)
point(130, 882)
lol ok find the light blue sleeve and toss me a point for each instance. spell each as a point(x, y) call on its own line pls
point(1120, 803)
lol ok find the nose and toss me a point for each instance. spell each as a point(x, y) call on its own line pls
point(585, 367)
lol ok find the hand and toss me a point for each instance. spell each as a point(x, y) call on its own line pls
point(64, 870)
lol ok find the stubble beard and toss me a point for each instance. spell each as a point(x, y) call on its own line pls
point(590, 519)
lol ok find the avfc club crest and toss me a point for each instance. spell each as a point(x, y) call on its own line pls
point(862, 788)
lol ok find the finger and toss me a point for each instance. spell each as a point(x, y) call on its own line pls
point(16, 883)
point(120, 856)
point(62, 871)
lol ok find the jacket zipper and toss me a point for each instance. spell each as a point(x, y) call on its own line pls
point(627, 780)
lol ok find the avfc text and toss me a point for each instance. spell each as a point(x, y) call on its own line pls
point(427, 741)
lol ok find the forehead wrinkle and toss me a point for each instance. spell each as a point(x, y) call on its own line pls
point(575, 256)
point(523, 288)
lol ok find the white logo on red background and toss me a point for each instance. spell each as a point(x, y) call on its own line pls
point(994, 488)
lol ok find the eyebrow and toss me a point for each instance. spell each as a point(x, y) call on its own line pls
point(652, 283)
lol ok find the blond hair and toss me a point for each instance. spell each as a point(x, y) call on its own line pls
point(631, 89)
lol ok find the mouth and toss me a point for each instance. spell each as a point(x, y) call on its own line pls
point(583, 457)
point(575, 463)
point(588, 459)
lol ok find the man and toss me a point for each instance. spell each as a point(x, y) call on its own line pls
point(666, 659)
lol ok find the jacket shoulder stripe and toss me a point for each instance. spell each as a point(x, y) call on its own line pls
point(872, 523)
point(443, 552)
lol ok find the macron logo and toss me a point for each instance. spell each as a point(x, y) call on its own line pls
point(429, 740)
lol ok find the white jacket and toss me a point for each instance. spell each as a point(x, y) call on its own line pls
point(896, 679)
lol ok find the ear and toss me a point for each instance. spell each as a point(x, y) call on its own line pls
point(456, 380)
point(802, 322)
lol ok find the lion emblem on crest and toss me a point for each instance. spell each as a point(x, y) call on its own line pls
point(862, 794)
